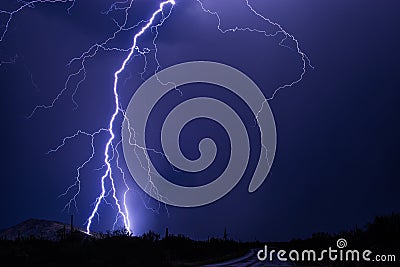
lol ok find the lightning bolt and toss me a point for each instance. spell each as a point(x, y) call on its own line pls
point(280, 30)
point(111, 147)
point(111, 127)
point(78, 170)
point(26, 4)
point(110, 151)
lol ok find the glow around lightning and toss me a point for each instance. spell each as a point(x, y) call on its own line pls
point(110, 149)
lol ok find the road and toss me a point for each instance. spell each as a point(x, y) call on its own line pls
point(250, 260)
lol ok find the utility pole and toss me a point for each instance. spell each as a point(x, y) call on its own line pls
point(72, 223)
point(225, 235)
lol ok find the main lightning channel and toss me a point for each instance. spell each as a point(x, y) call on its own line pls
point(108, 172)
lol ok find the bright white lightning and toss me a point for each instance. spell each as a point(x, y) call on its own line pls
point(81, 75)
point(111, 129)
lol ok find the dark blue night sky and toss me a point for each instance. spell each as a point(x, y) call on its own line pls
point(336, 163)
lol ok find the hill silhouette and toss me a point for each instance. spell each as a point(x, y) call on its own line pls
point(38, 229)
